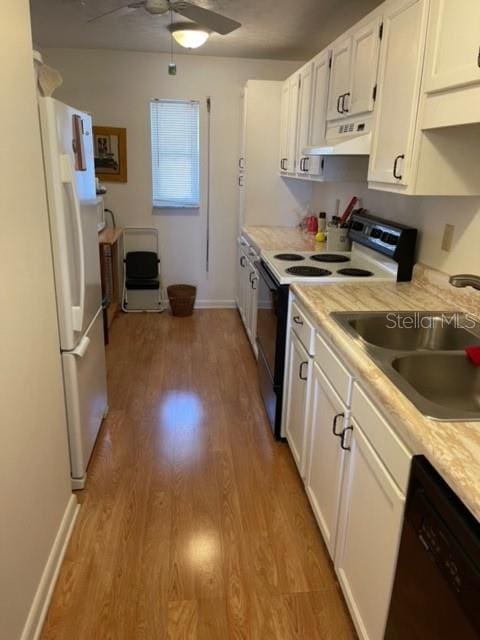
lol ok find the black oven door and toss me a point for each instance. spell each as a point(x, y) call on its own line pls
point(271, 335)
point(267, 317)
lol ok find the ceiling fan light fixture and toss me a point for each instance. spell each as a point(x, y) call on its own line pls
point(189, 34)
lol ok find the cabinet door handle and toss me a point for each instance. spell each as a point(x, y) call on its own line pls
point(251, 276)
point(241, 163)
point(395, 164)
point(242, 261)
point(253, 283)
point(342, 440)
point(298, 320)
point(334, 425)
point(283, 162)
point(343, 107)
point(478, 57)
point(301, 164)
point(338, 104)
point(306, 164)
point(300, 370)
point(240, 181)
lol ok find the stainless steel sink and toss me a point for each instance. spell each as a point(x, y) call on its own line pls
point(447, 384)
point(422, 353)
point(413, 331)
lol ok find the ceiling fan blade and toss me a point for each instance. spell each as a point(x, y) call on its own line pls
point(205, 17)
point(120, 11)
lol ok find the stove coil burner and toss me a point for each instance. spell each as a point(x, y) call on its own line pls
point(360, 273)
point(289, 257)
point(308, 272)
point(329, 257)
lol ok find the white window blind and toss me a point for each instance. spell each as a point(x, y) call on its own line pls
point(175, 153)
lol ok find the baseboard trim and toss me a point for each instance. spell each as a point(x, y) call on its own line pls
point(41, 601)
point(215, 304)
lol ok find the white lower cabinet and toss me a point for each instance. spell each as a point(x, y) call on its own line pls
point(247, 294)
point(298, 392)
point(370, 524)
point(241, 279)
point(251, 318)
point(356, 471)
point(329, 418)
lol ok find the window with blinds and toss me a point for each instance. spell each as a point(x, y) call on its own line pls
point(175, 153)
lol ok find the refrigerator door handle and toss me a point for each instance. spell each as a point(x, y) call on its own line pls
point(68, 179)
point(82, 348)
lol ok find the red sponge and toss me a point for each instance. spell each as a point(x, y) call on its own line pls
point(473, 354)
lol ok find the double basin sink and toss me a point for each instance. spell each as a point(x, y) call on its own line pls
point(423, 354)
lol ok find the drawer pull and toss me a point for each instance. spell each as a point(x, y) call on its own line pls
point(396, 175)
point(300, 371)
point(298, 320)
point(342, 441)
point(334, 426)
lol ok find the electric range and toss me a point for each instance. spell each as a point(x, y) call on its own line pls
point(382, 251)
point(329, 267)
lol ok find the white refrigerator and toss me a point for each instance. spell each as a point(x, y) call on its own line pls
point(67, 141)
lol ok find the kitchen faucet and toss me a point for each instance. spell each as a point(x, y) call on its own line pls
point(465, 280)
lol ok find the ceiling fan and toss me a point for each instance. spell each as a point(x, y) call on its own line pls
point(203, 17)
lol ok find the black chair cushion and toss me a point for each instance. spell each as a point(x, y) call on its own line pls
point(142, 283)
point(141, 265)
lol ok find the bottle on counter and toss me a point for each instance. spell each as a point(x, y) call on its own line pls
point(322, 227)
point(312, 224)
point(322, 221)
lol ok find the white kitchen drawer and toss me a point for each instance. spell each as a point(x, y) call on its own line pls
point(303, 328)
point(333, 368)
point(390, 449)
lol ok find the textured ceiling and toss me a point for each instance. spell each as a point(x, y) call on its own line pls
point(276, 29)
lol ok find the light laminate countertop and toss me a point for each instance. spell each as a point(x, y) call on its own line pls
point(453, 448)
point(278, 238)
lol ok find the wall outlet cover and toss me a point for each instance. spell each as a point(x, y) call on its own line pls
point(447, 239)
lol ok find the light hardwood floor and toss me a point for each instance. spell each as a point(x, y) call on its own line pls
point(194, 523)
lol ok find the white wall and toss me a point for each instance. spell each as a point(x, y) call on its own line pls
point(428, 214)
point(34, 467)
point(116, 87)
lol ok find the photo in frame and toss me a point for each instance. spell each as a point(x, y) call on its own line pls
point(110, 151)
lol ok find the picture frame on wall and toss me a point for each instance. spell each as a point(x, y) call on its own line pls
point(110, 152)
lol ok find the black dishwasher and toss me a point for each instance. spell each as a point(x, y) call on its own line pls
point(436, 593)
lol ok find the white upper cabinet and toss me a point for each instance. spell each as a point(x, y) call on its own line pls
point(365, 52)
point(284, 126)
point(409, 72)
point(312, 109)
point(288, 124)
point(354, 71)
point(318, 115)
point(294, 85)
point(401, 60)
point(303, 114)
point(339, 79)
point(453, 48)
